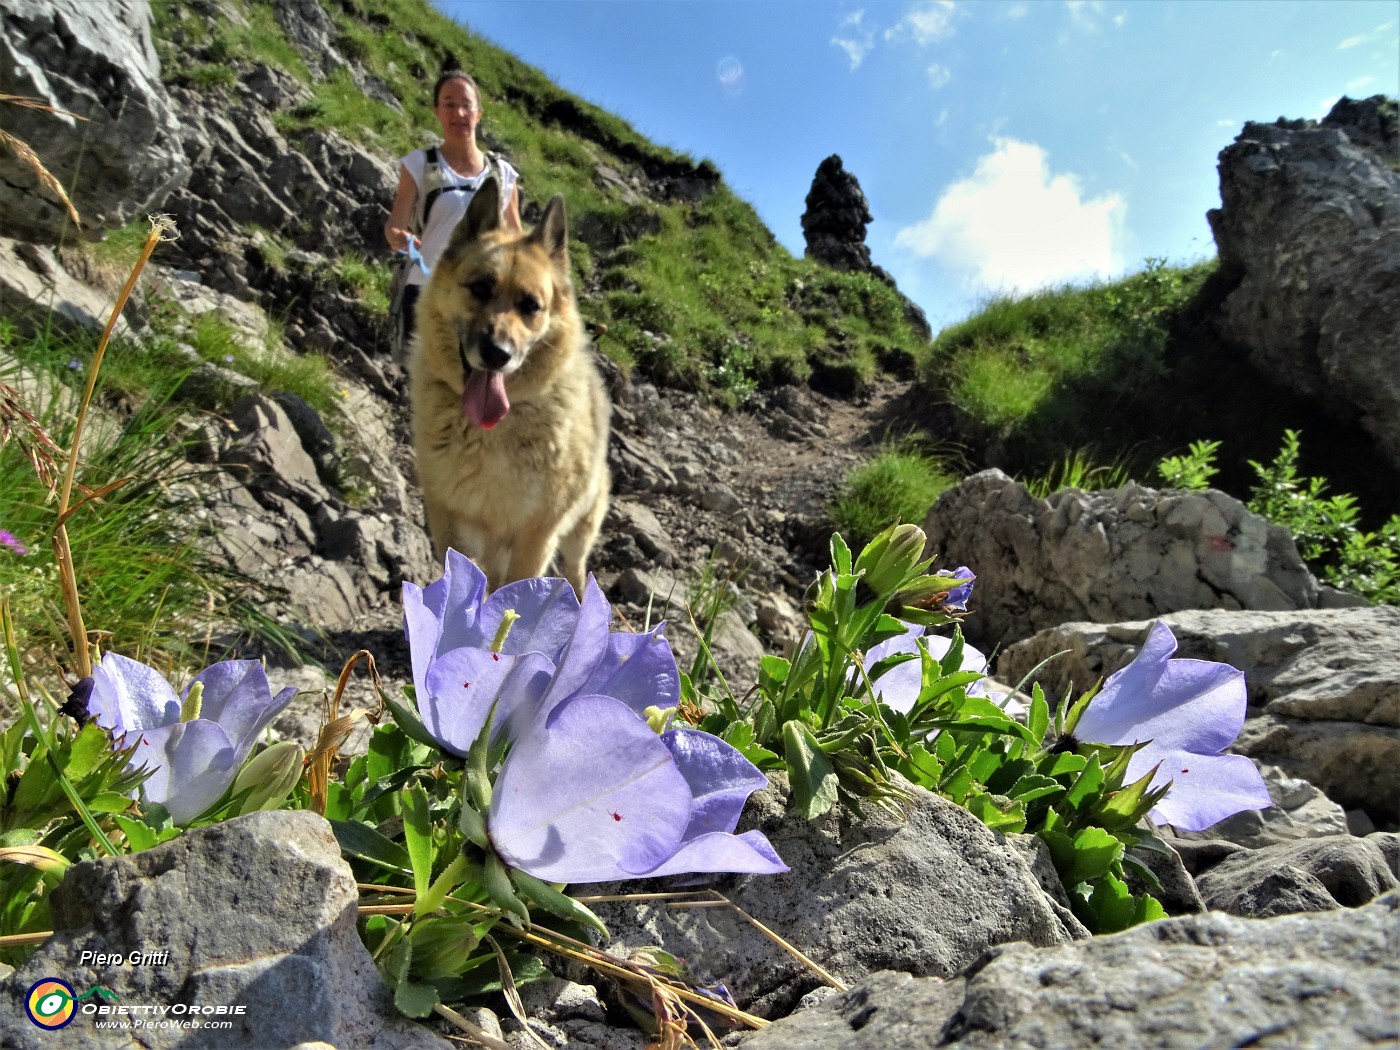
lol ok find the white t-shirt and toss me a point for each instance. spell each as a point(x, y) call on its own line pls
point(449, 206)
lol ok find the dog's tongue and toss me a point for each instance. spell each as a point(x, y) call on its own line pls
point(484, 401)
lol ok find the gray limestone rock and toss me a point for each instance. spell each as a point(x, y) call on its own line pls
point(1120, 554)
point(1323, 980)
point(1309, 224)
point(1315, 875)
point(927, 894)
point(257, 912)
point(118, 153)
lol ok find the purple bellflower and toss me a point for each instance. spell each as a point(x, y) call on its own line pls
point(959, 596)
point(1187, 712)
point(467, 652)
point(588, 791)
point(899, 687)
point(593, 794)
point(196, 743)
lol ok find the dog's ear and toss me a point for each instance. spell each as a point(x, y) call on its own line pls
point(552, 234)
point(483, 215)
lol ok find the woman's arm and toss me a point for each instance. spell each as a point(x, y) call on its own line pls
point(405, 198)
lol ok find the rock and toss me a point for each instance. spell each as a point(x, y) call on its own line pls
point(270, 449)
point(36, 288)
point(836, 217)
point(640, 523)
point(97, 62)
point(257, 912)
point(1120, 554)
point(834, 228)
point(1324, 685)
point(1299, 980)
point(1309, 226)
point(1316, 875)
point(928, 894)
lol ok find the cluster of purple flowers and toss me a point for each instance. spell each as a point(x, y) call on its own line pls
point(589, 790)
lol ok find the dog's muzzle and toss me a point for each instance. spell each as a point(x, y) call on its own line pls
point(493, 356)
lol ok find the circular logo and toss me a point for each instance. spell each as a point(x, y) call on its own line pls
point(49, 1003)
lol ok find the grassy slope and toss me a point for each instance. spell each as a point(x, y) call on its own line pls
point(696, 292)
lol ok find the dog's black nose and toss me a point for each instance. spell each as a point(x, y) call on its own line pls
point(492, 356)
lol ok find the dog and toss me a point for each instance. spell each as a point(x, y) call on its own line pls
point(510, 415)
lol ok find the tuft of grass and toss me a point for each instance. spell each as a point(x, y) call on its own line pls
point(1077, 470)
point(899, 485)
point(366, 279)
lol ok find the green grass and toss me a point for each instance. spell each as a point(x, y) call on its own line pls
point(898, 485)
point(148, 588)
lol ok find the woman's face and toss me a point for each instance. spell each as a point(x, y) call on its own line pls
point(457, 109)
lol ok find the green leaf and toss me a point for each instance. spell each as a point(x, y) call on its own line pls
point(414, 999)
point(1086, 786)
point(1093, 853)
point(1033, 786)
point(363, 842)
point(418, 836)
point(555, 902)
point(813, 779)
point(1065, 762)
point(87, 751)
point(1125, 808)
point(495, 880)
point(998, 813)
point(1114, 908)
point(773, 671)
point(1039, 719)
point(840, 555)
point(109, 802)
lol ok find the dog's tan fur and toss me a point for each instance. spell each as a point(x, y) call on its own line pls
point(511, 496)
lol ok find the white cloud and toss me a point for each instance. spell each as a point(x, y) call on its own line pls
point(1366, 38)
point(927, 23)
point(1360, 84)
point(1017, 11)
point(1014, 226)
point(1120, 19)
point(1085, 12)
point(939, 76)
point(857, 40)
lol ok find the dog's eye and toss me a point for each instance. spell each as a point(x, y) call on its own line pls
point(482, 288)
point(528, 306)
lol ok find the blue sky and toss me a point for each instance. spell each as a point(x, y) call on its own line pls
point(1003, 146)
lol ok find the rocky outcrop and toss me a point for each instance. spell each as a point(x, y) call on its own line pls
point(834, 228)
point(927, 894)
point(257, 912)
point(1309, 226)
point(106, 129)
point(1326, 980)
point(1120, 554)
point(1324, 687)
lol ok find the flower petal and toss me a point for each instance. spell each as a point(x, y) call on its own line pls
point(720, 779)
point(460, 687)
point(638, 669)
point(442, 616)
point(899, 687)
point(1205, 788)
point(128, 696)
point(1198, 705)
point(237, 696)
point(586, 644)
point(193, 763)
point(549, 614)
point(589, 795)
point(749, 852)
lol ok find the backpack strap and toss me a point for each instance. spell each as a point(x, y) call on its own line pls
point(433, 187)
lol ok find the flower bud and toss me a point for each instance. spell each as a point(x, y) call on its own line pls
point(271, 774)
point(891, 557)
point(933, 600)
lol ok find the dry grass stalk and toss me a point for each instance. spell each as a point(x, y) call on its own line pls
point(28, 156)
point(336, 728)
point(161, 228)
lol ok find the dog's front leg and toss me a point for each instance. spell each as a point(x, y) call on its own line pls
point(531, 554)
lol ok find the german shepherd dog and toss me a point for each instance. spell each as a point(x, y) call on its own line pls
point(510, 416)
